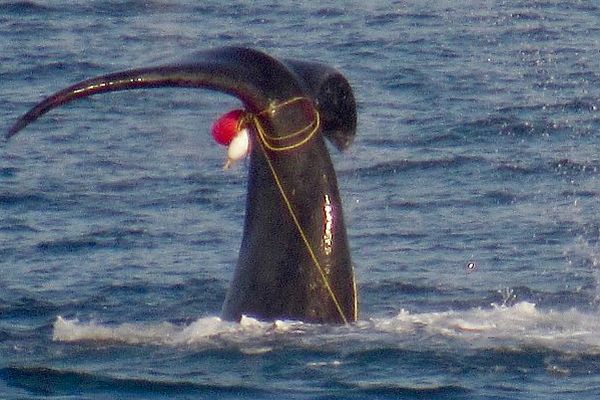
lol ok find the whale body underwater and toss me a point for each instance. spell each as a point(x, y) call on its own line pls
point(294, 260)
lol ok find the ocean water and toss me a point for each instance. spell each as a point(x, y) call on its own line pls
point(471, 196)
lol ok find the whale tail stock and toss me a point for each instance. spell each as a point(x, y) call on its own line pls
point(294, 258)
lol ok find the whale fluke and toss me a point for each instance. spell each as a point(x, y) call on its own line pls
point(294, 260)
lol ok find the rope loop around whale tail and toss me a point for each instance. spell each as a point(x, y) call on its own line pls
point(289, 140)
point(231, 129)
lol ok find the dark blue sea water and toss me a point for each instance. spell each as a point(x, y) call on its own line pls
point(478, 142)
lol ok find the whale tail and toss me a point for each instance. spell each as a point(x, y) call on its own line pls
point(294, 259)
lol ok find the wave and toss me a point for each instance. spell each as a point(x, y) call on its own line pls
point(24, 7)
point(49, 381)
point(22, 199)
point(518, 327)
point(397, 166)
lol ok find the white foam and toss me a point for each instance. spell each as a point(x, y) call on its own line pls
point(519, 325)
point(205, 330)
point(522, 324)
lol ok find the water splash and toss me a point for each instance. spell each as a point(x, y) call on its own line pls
point(517, 326)
point(508, 297)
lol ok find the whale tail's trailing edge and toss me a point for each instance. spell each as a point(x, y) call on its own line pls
point(294, 259)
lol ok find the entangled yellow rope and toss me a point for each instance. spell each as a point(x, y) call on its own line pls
point(316, 122)
point(310, 130)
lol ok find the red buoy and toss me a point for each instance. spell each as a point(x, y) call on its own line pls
point(227, 127)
